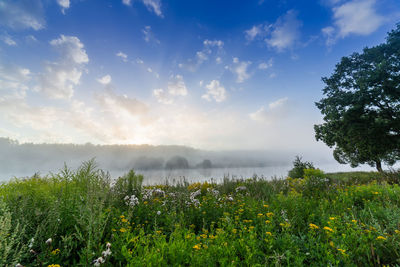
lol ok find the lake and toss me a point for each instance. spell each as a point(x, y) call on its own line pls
point(201, 175)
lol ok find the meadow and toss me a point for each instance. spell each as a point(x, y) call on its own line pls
point(83, 218)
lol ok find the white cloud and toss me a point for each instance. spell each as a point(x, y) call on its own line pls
point(8, 40)
point(217, 43)
point(149, 70)
point(154, 6)
point(148, 35)
point(139, 61)
point(240, 69)
point(177, 87)
point(22, 14)
point(254, 32)
point(275, 111)
point(204, 55)
point(284, 32)
point(122, 55)
point(127, 2)
point(162, 96)
point(357, 17)
point(60, 78)
point(64, 5)
point(265, 65)
point(15, 79)
point(215, 91)
point(105, 79)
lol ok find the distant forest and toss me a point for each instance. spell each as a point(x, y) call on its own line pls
point(22, 157)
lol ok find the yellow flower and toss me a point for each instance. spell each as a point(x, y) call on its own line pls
point(54, 265)
point(266, 206)
point(234, 231)
point(145, 202)
point(124, 220)
point(381, 238)
point(197, 247)
point(375, 193)
point(188, 236)
point(331, 244)
point(122, 216)
point(158, 232)
point(122, 230)
point(192, 226)
point(314, 226)
point(260, 215)
point(342, 250)
point(267, 221)
point(268, 233)
point(328, 229)
point(251, 227)
point(203, 235)
point(397, 231)
point(211, 236)
point(270, 214)
point(354, 221)
point(332, 218)
point(56, 251)
point(241, 210)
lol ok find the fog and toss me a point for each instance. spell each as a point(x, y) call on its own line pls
point(25, 159)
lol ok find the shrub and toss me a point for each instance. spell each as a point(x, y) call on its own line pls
point(298, 168)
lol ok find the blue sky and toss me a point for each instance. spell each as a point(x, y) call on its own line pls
point(207, 74)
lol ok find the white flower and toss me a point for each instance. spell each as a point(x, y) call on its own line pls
point(31, 242)
point(158, 212)
point(48, 241)
point(131, 201)
point(106, 253)
point(19, 265)
point(108, 245)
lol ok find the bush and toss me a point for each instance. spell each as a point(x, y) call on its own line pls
point(298, 168)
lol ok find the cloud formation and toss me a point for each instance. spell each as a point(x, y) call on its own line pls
point(356, 17)
point(22, 14)
point(275, 111)
point(60, 78)
point(240, 69)
point(215, 91)
point(105, 79)
point(281, 35)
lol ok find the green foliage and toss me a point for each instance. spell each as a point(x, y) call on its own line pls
point(321, 219)
point(361, 107)
point(298, 168)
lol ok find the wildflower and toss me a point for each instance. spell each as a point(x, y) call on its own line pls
point(188, 236)
point(192, 226)
point(260, 215)
point(267, 221)
point(31, 242)
point(313, 226)
point(270, 214)
point(331, 244)
point(98, 261)
point(332, 218)
point(268, 233)
point(211, 236)
point(203, 235)
point(56, 251)
point(241, 210)
point(381, 238)
point(328, 229)
point(354, 221)
point(19, 265)
point(158, 212)
point(251, 227)
point(122, 230)
point(53, 265)
point(375, 193)
point(158, 232)
point(124, 220)
point(106, 253)
point(341, 250)
point(48, 241)
point(397, 231)
point(266, 206)
point(197, 247)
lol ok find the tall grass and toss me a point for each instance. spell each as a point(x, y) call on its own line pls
point(83, 218)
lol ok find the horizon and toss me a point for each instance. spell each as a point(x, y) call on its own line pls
point(197, 74)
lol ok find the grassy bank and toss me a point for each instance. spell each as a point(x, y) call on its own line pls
point(76, 218)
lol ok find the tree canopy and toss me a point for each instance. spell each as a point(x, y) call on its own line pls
point(361, 106)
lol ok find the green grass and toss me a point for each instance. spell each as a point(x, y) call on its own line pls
point(339, 219)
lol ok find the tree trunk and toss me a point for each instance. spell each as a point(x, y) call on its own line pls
point(378, 165)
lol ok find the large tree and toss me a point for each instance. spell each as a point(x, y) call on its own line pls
point(361, 106)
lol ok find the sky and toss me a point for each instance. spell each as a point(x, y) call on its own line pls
point(203, 73)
